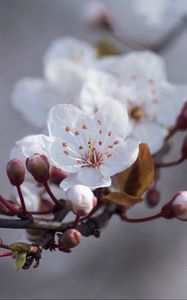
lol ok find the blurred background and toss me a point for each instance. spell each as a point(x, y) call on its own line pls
point(130, 261)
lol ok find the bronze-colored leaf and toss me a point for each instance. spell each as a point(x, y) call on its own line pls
point(122, 199)
point(139, 177)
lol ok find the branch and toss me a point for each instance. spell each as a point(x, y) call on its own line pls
point(87, 228)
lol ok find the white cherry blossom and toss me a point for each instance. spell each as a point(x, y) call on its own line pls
point(64, 74)
point(141, 84)
point(90, 149)
point(157, 13)
point(73, 49)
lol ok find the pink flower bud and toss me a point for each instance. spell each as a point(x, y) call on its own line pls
point(38, 166)
point(184, 148)
point(15, 172)
point(182, 118)
point(70, 239)
point(96, 14)
point(57, 175)
point(179, 205)
point(80, 199)
point(152, 198)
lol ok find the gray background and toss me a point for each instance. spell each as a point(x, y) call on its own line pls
point(144, 261)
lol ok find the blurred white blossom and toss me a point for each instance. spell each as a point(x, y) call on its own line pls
point(64, 73)
point(141, 84)
point(156, 13)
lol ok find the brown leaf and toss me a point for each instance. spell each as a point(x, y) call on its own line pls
point(139, 177)
point(122, 199)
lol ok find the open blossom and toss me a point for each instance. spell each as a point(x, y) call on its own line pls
point(70, 48)
point(157, 13)
point(141, 84)
point(90, 149)
point(64, 74)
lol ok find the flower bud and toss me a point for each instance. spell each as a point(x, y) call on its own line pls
point(80, 199)
point(38, 166)
point(152, 197)
point(184, 148)
point(57, 175)
point(70, 239)
point(15, 172)
point(179, 205)
point(182, 118)
point(96, 14)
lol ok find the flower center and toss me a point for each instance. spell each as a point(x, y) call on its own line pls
point(93, 158)
point(137, 113)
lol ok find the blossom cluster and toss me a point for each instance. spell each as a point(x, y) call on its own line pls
point(106, 122)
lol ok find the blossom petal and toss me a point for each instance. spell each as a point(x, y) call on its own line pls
point(170, 101)
point(64, 158)
point(72, 49)
point(98, 88)
point(144, 65)
point(123, 157)
point(113, 117)
point(65, 119)
point(34, 97)
point(66, 76)
point(88, 176)
point(151, 134)
point(29, 145)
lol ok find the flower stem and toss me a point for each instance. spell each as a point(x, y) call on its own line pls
point(127, 42)
point(25, 213)
point(3, 254)
point(50, 193)
point(171, 133)
point(44, 212)
point(170, 164)
point(141, 220)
